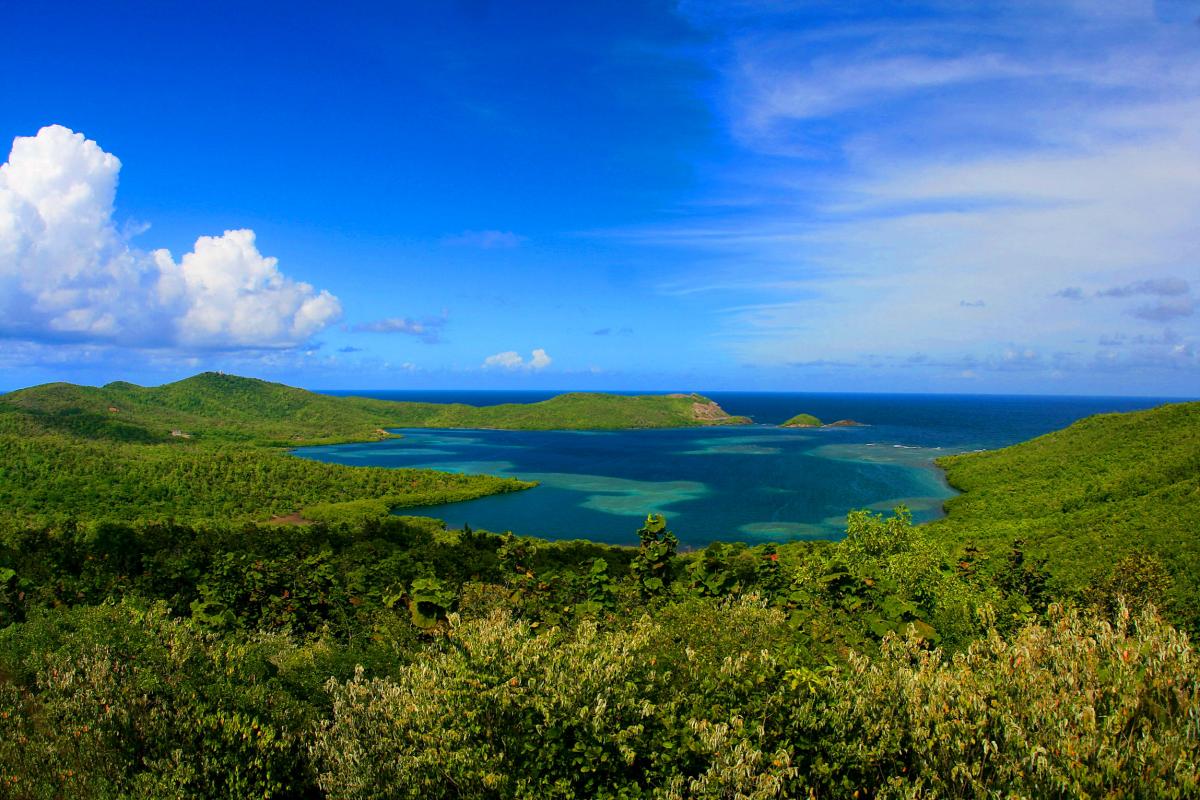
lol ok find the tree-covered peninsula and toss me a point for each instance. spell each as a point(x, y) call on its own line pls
point(218, 407)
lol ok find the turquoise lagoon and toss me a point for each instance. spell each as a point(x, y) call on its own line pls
point(749, 483)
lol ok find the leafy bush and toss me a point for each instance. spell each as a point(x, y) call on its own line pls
point(117, 701)
point(1076, 707)
point(502, 711)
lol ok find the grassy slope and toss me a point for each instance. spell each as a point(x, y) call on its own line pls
point(802, 421)
point(1086, 495)
point(212, 406)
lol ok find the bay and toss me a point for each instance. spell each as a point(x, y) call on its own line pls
point(749, 483)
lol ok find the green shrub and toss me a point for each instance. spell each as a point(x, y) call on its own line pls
point(504, 711)
point(1076, 707)
point(116, 701)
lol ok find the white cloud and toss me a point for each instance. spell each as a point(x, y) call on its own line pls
point(540, 360)
point(511, 360)
point(68, 274)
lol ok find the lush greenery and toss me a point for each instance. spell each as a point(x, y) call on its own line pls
point(1109, 488)
point(802, 421)
point(394, 659)
point(156, 641)
point(58, 477)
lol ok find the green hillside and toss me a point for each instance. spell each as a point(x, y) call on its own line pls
point(214, 406)
point(207, 406)
point(48, 478)
point(203, 449)
point(1083, 497)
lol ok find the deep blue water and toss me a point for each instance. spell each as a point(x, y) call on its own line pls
point(749, 483)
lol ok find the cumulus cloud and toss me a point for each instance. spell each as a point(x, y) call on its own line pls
point(67, 273)
point(427, 330)
point(540, 360)
point(487, 240)
point(512, 361)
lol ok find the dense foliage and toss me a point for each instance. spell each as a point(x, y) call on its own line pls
point(155, 641)
point(1087, 498)
point(393, 658)
point(802, 421)
point(48, 477)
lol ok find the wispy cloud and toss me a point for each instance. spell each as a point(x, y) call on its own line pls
point(1174, 298)
point(486, 240)
point(1162, 287)
point(428, 330)
point(1166, 310)
point(901, 161)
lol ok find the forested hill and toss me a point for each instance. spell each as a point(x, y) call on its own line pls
point(231, 408)
point(574, 411)
point(207, 406)
point(1106, 488)
point(203, 449)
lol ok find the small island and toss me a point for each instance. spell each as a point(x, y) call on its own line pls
point(809, 421)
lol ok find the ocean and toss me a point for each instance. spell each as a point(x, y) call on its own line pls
point(752, 483)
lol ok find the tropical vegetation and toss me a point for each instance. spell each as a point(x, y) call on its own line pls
point(158, 638)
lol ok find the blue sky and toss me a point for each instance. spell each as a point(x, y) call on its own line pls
point(825, 196)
